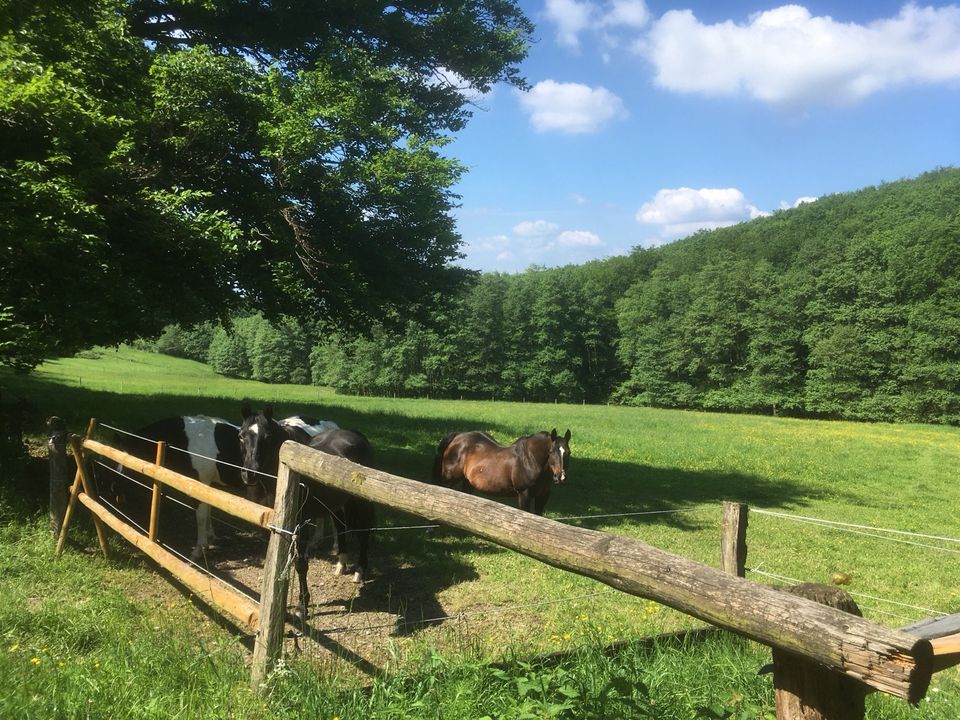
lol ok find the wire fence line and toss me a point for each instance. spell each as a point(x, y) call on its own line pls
point(401, 622)
point(855, 529)
point(188, 452)
point(821, 521)
point(757, 571)
point(393, 527)
point(167, 496)
point(204, 570)
point(840, 526)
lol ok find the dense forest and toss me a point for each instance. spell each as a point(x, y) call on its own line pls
point(846, 307)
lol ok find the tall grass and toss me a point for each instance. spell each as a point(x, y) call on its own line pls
point(82, 612)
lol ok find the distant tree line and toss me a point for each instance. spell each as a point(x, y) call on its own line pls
point(847, 307)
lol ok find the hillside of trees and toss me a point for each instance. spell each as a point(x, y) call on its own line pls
point(847, 307)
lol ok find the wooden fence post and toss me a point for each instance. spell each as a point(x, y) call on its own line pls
point(157, 491)
point(276, 572)
point(74, 493)
point(806, 690)
point(59, 472)
point(733, 539)
point(76, 442)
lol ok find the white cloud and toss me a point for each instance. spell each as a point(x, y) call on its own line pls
point(678, 212)
point(570, 17)
point(570, 107)
point(625, 13)
point(535, 228)
point(787, 56)
point(784, 205)
point(579, 238)
point(448, 78)
point(573, 17)
point(534, 242)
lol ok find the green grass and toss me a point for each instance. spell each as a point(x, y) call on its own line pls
point(625, 460)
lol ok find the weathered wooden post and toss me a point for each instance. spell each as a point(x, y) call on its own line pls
point(59, 472)
point(276, 571)
point(733, 538)
point(806, 690)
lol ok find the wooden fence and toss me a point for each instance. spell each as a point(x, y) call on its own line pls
point(863, 655)
point(266, 618)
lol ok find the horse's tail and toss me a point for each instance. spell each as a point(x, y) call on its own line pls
point(437, 476)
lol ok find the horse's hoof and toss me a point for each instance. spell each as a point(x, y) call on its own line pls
point(339, 569)
point(358, 576)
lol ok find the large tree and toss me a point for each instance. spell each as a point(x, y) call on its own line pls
point(169, 161)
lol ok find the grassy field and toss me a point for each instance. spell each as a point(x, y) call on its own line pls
point(674, 466)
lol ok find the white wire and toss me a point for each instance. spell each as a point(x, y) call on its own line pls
point(174, 551)
point(831, 526)
point(629, 514)
point(188, 452)
point(758, 571)
point(167, 496)
point(804, 518)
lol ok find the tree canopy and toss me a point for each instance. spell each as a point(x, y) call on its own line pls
point(176, 161)
point(847, 307)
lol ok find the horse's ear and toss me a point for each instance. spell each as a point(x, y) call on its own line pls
point(268, 412)
point(245, 411)
point(553, 434)
point(566, 436)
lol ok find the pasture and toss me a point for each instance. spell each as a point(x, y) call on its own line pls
point(655, 475)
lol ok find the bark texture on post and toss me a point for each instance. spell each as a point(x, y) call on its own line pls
point(733, 539)
point(60, 472)
point(273, 592)
point(808, 691)
point(885, 659)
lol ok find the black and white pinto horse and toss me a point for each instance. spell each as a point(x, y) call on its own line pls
point(201, 447)
point(260, 439)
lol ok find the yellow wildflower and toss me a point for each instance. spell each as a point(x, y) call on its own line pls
point(35, 660)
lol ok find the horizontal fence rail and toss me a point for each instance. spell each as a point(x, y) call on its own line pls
point(211, 590)
point(888, 660)
point(238, 507)
point(214, 592)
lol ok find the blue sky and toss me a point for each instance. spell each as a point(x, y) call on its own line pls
point(648, 120)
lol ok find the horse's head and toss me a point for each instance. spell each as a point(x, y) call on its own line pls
point(559, 457)
point(260, 439)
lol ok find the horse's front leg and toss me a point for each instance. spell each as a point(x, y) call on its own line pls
point(340, 535)
point(204, 531)
point(523, 500)
point(540, 502)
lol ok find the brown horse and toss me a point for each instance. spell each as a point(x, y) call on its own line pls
point(527, 468)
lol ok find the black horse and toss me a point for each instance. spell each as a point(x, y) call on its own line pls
point(528, 468)
point(260, 439)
